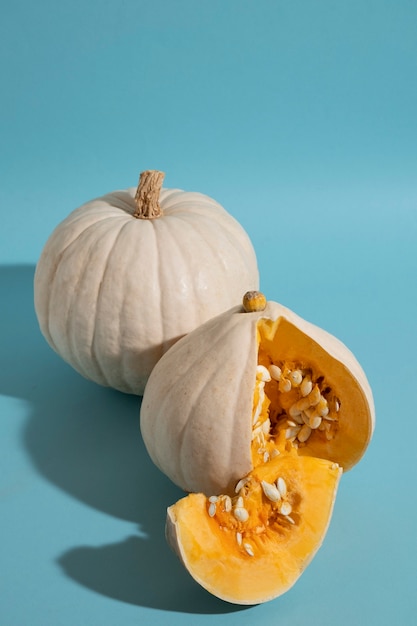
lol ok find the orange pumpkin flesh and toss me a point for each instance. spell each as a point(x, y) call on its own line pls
point(339, 412)
point(259, 559)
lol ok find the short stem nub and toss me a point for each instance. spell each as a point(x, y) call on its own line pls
point(147, 195)
point(254, 301)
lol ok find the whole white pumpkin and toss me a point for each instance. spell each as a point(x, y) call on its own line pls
point(126, 275)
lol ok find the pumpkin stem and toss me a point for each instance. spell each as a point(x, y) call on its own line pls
point(147, 195)
point(254, 301)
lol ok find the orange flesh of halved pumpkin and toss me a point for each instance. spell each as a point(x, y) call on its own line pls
point(248, 562)
point(334, 409)
point(251, 546)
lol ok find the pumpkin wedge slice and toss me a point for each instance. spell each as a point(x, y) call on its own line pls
point(252, 547)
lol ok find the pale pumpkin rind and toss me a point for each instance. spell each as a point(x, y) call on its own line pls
point(113, 293)
point(196, 415)
point(280, 550)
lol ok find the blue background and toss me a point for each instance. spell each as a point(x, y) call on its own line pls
point(300, 118)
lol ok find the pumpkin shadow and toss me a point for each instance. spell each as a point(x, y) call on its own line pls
point(85, 439)
point(141, 572)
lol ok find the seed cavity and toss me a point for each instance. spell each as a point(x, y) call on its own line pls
point(304, 415)
point(304, 402)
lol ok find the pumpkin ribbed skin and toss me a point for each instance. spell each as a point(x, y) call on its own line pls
point(113, 292)
point(196, 414)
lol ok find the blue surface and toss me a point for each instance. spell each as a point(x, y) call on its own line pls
point(300, 118)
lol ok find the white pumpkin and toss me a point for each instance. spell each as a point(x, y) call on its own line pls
point(126, 275)
point(202, 406)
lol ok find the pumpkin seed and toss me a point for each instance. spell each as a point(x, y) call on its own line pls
point(227, 504)
point(275, 372)
point(291, 423)
point(248, 548)
point(263, 374)
point(299, 406)
point(322, 407)
point(284, 385)
point(294, 410)
point(314, 396)
point(298, 419)
point(212, 509)
point(304, 433)
point(271, 491)
point(314, 421)
point(241, 514)
point(285, 508)
point(292, 432)
point(306, 386)
point(282, 486)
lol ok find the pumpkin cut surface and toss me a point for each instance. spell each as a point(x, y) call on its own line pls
point(253, 546)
